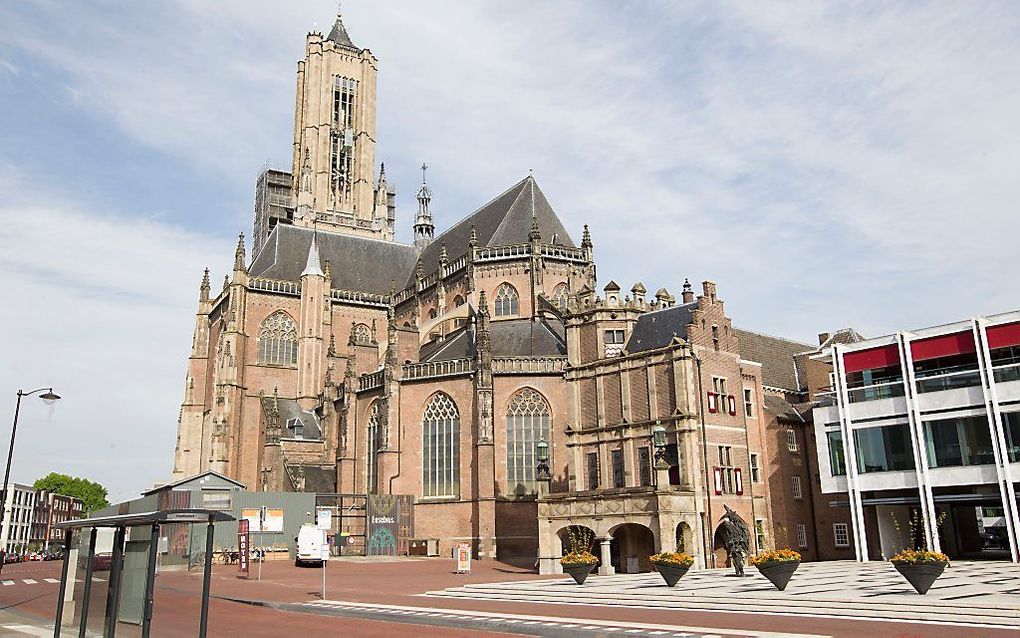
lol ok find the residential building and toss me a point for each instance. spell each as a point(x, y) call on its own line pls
point(19, 512)
point(920, 437)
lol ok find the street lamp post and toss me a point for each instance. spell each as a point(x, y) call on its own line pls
point(48, 397)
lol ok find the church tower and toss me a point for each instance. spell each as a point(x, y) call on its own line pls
point(334, 139)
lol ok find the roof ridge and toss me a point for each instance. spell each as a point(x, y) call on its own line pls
point(483, 206)
point(510, 208)
point(388, 242)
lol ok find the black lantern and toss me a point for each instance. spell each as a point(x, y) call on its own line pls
point(542, 454)
point(659, 436)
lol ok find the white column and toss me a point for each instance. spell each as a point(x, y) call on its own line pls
point(606, 568)
point(929, 514)
point(850, 457)
point(993, 412)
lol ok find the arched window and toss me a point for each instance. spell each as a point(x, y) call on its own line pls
point(506, 301)
point(559, 296)
point(527, 422)
point(278, 340)
point(440, 459)
point(372, 444)
point(458, 301)
point(362, 333)
point(432, 313)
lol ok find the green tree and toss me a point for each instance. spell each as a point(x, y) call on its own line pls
point(92, 494)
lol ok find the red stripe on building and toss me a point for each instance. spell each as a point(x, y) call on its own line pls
point(943, 346)
point(1004, 335)
point(882, 357)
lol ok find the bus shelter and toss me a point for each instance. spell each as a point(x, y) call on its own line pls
point(127, 546)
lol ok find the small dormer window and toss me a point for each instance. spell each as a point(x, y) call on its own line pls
point(297, 427)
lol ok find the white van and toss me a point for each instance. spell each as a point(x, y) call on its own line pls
point(310, 546)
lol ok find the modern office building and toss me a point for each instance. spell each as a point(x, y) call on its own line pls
point(920, 438)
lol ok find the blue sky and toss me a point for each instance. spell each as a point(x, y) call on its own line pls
point(827, 164)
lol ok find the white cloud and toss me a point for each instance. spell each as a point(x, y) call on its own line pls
point(827, 164)
point(98, 308)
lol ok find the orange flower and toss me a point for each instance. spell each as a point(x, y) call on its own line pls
point(914, 556)
point(677, 559)
point(579, 558)
point(775, 556)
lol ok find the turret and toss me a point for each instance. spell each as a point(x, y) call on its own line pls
point(424, 229)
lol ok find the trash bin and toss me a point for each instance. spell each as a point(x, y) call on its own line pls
point(417, 547)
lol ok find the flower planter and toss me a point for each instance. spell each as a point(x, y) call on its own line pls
point(579, 571)
point(671, 573)
point(779, 573)
point(921, 575)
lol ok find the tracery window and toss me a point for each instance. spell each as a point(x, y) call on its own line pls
point(440, 448)
point(527, 422)
point(278, 340)
point(507, 301)
point(458, 301)
point(362, 333)
point(373, 442)
point(559, 296)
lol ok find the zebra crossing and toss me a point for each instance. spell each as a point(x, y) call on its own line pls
point(7, 582)
point(516, 624)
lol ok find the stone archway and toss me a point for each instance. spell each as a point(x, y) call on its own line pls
point(684, 539)
point(630, 548)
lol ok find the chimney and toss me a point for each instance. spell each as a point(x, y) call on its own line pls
point(823, 337)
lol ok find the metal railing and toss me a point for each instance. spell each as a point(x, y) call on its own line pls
point(1006, 373)
point(949, 381)
point(886, 390)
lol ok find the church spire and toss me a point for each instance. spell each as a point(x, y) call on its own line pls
point(338, 35)
point(313, 266)
point(423, 226)
point(203, 290)
point(239, 253)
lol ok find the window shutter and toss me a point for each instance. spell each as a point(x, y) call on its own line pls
point(738, 477)
point(733, 404)
point(718, 480)
point(711, 402)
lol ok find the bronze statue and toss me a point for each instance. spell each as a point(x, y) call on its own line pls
point(735, 539)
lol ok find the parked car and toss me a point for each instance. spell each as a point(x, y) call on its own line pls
point(52, 556)
point(102, 562)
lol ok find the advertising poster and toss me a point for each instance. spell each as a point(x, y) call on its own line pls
point(273, 521)
point(463, 558)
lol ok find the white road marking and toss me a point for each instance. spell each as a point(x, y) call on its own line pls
point(8, 582)
point(29, 581)
point(51, 580)
point(28, 629)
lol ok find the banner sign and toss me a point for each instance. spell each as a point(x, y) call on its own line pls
point(242, 546)
point(390, 524)
point(463, 558)
point(263, 519)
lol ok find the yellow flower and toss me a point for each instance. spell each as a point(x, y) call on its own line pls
point(677, 559)
point(913, 556)
point(775, 556)
point(579, 558)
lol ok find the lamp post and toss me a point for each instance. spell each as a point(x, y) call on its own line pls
point(48, 397)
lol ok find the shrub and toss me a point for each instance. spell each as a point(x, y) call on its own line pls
point(914, 556)
point(774, 556)
point(673, 559)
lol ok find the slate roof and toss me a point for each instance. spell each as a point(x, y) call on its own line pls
point(289, 409)
point(510, 338)
point(781, 368)
point(318, 479)
point(356, 263)
point(843, 335)
point(503, 221)
point(782, 408)
point(189, 479)
point(339, 35)
point(657, 329)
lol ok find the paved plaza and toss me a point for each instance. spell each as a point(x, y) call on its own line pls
point(976, 594)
